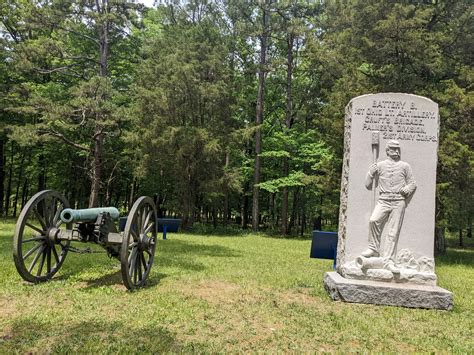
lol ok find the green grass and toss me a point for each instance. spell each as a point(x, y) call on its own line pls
point(233, 293)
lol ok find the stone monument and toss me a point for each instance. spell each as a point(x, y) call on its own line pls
point(387, 208)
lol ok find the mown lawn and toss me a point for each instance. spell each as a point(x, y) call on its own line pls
point(233, 293)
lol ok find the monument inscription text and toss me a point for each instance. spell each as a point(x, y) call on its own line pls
point(400, 120)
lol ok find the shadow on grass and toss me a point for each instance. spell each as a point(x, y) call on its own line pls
point(457, 257)
point(73, 264)
point(234, 230)
point(296, 238)
point(109, 279)
point(115, 278)
point(209, 230)
point(105, 336)
point(78, 263)
point(170, 253)
point(241, 233)
point(184, 249)
point(182, 254)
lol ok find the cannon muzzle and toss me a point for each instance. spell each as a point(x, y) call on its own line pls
point(370, 263)
point(87, 215)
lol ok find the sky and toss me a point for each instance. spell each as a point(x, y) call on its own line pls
point(148, 3)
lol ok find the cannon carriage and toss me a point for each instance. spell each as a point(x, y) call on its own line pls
point(47, 226)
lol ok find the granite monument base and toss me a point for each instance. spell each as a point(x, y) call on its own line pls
point(384, 293)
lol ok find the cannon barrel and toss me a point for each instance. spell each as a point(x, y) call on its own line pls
point(370, 263)
point(87, 215)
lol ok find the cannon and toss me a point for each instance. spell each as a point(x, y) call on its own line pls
point(47, 226)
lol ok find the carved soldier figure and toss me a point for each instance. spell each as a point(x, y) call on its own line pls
point(396, 184)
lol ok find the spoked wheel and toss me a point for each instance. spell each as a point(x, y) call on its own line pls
point(138, 244)
point(37, 256)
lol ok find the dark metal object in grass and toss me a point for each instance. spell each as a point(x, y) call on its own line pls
point(165, 225)
point(168, 225)
point(324, 246)
point(47, 226)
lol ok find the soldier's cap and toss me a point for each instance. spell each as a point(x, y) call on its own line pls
point(393, 144)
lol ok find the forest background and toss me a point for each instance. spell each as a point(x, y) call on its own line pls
point(226, 112)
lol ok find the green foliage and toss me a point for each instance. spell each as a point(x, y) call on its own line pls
point(419, 48)
point(262, 294)
point(64, 92)
point(275, 154)
point(275, 185)
point(182, 110)
point(175, 106)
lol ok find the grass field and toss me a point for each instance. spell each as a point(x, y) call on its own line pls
point(232, 293)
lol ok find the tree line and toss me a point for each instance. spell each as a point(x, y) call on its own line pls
point(226, 112)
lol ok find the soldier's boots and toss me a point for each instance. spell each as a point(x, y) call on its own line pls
point(369, 253)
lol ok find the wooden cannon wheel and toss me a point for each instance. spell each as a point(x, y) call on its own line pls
point(37, 257)
point(138, 243)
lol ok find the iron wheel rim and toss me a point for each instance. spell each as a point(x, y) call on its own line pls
point(37, 257)
point(139, 243)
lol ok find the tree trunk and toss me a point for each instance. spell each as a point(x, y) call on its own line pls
point(41, 171)
point(294, 209)
point(186, 211)
point(126, 199)
point(108, 193)
point(24, 193)
point(318, 222)
point(110, 187)
point(104, 40)
point(98, 134)
point(96, 168)
point(259, 114)
point(284, 200)
point(197, 200)
point(2, 174)
point(288, 123)
point(256, 181)
point(9, 186)
point(461, 238)
point(303, 212)
point(226, 193)
point(71, 191)
point(214, 218)
point(17, 191)
point(189, 201)
point(118, 196)
point(271, 210)
point(440, 241)
point(469, 226)
point(159, 200)
point(245, 209)
point(225, 212)
point(131, 199)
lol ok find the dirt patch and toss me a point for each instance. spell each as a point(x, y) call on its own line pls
point(235, 329)
point(299, 297)
point(214, 291)
point(6, 333)
point(240, 314)
point(221, 293)
point(7, 308)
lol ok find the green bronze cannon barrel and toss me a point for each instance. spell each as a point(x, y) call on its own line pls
point(87, 215)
